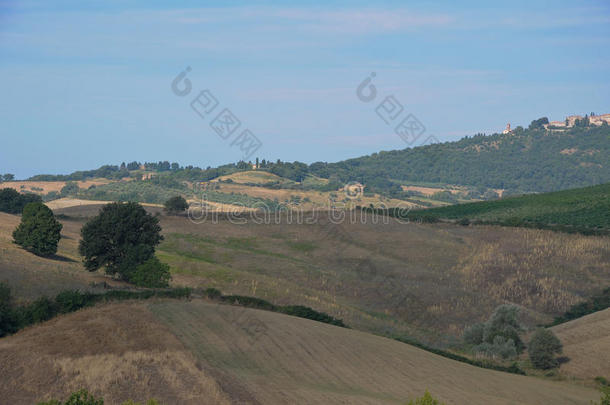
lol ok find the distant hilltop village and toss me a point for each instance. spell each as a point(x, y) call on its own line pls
point(569, 122)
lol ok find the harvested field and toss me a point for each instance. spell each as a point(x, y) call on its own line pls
point(586, 342)
point(118, 350)
point(285, 360)
point(48, 186)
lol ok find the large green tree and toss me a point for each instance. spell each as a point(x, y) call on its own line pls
point(120, 238)
point(39, 232)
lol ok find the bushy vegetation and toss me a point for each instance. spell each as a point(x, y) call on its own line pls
point(39, 232)
point(80, 397)
point(499, 335)
point(13, 202)
point(83, 397)
point(584, 210)
point(151, 273)
point(14, 318)
point(258, 303)
point(513, 368)
point(427, 399)
point(596, 303)
point(176, 205)
point(605, 399)
point(106, 171)
point(120, 238)
point(543, 348)
point(147, 191)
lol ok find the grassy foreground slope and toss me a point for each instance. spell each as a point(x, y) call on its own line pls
point(586, 342)
point(583, 210)
point(282, 359)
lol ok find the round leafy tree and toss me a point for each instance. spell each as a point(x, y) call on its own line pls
point(542, 349)
point(39, 232)
point(120, 238)
point(176, 205)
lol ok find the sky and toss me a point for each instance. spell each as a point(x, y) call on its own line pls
point(90, 83)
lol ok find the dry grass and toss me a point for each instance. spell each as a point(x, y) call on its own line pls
point(317, 198)
point(252, 176)
point(119, 351)
point(286, 360)
point(31, 276)
point(392, 278)
point(48, 186)
point(586, 342)
point(75, 202)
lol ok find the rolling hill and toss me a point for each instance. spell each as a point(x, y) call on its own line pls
point(189, 352)
point(586, 342)
point(426, 281)
point(585, 210)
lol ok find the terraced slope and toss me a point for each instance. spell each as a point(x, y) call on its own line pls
point(586, 342)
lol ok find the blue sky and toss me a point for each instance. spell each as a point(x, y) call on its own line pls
point(89, 83)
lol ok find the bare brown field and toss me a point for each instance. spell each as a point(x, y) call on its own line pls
point(74, 202)
point(48, 186)
point(285, 360)
point(586, 342)
point(117, 351)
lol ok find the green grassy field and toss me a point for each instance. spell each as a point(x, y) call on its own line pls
point(584, 210)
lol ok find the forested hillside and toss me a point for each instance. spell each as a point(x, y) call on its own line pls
point(524, 160)
point(527, 160)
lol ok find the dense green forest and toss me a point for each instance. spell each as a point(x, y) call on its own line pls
point(529, 160)
point(585, 210)
point(525, 160)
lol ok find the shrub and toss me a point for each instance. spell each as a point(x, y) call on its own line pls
point(13, 202)
point(542, 349)
point(72, 300)
point(500, 347)
point(176, 205)
point(474, 334)
point(427, 399)
point(81, 397)
point(504, 322)
point(8, 322)
point(152, 274)
point(39, 232)
point(40, 310)
point(308, 313)
point(499, 336)
point(605, 399)
point(71, 188)
point(213, 293)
